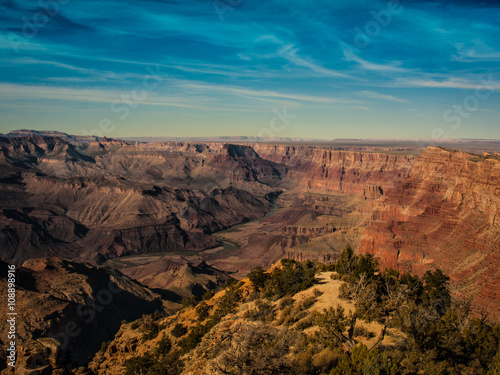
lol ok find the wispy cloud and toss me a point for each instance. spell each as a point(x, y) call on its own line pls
point(270, 94)
point(385, 68)
point(12, 93)
point(290, 54)
point(478, 52)
point(452, 83)
point(376, 95)
point(263, 56)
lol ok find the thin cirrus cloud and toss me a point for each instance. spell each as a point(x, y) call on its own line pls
point(290, 53)
point(15, 93)
point(253, 59)
point(385, 68)
point(270, 94)
point(455, 83)
point(376, 95)
point(478, 51)
point(27, 93)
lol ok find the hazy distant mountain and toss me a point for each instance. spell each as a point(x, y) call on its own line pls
point(352, 144)
point(223, 139)
point(53, 133)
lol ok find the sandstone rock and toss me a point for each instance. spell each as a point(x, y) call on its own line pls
point(445, 215)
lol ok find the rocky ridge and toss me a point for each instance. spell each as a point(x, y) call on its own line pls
point(67, 309)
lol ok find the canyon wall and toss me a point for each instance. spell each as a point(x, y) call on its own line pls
point(445, 215)
point(100, 200)
point(332, 171)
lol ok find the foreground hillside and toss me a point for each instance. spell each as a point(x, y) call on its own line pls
point(303, 318)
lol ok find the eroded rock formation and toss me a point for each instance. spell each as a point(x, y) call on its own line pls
point(99, 199)
point(67, 309)
point(444, 215)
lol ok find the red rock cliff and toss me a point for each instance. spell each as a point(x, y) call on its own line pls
point(331, 171)
point(446, 215)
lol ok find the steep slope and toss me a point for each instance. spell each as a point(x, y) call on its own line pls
point(298, 319)
point(179, 276)
point(328, 196)
point(112, 199)
point(106, 198)
point(329, 171)
point(239, 319)
point(445, 215)
point(65, 310)
point(99, 199)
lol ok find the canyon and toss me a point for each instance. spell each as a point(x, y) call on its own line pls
point(177, 218)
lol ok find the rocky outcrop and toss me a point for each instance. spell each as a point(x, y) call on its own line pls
point(179, 276)
point(292, 236)
point(187, 147)
point(320, 257)
point(330, 171)
point(444, 215)
point(312, 231)
point(33, 233)
point(67, 309)
point(30, 149)
point(53, 133)
point(317, 169)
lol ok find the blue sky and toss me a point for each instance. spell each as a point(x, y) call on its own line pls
point(316, 69)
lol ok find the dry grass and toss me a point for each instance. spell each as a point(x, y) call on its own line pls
point(330, 298)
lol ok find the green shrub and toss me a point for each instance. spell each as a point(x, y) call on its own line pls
point(302, 362)
point(138, 365)
point(179, 330)
point(263, 311)
point(284, 315)
point(169, 365)
point(202, 311)
point(227, 303)
point(189, 301)
point(363, 332)
point(306, 303)
point(194, 337)
point(152, 329)
point(285, 301)
point(207, 295)
point(317, 292)
point(230, 282)
point(364, 361)
point(325, 360)
point(147, 365)
point(258, 277)
point(305, 322)
point(435, 291)
point(290, 279)
point(293, 316)
point(163, 347)
point(344, 291)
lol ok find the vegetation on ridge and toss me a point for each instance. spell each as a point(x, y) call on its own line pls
point(273, 323)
